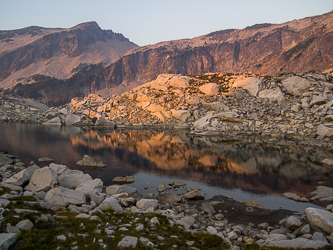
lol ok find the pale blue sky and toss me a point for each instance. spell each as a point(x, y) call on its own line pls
point(151, 21)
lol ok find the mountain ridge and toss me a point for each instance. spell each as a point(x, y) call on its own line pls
point(299, 45)
point(53, 49)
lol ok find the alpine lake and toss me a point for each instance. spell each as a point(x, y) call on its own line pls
point(248, 169)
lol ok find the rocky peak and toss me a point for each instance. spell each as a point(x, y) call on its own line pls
point(56, 52)
point(86, 26)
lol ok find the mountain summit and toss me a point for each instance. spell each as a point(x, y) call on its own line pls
point(56, 52)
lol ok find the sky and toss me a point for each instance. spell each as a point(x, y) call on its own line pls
point(151, 21)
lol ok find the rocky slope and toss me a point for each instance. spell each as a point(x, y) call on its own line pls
point(57, 53)
point(289, 106)
point(298, 45)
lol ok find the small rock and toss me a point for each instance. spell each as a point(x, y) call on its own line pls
point(45, 159)
point(251, 203)
point(123, 180)
point(146, 203)
point(161, 187)
point(87, 161)
point(154, 221)
point(25, 225)
point(128, 241)
point(82, 216)
point(208, 208)
point(319, 236)
point(211, 230)
point(61, 237)
point(195, 194)
point(293, 222)
point(140, 227)
point(12, 229)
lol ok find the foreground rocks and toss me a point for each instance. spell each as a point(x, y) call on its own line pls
point(290, 106)
point(88, 201)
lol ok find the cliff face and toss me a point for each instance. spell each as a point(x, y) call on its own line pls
point(56, 52)
point(299, 45)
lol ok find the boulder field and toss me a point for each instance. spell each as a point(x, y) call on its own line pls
point(290, 106)
point(54, 193)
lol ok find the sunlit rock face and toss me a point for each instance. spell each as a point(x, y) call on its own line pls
point(298, 45)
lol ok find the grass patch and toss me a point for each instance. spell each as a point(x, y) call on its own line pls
point(23, 198)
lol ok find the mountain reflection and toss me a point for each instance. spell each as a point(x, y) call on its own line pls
point(249, 166)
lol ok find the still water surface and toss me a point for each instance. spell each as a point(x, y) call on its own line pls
point(236, 169)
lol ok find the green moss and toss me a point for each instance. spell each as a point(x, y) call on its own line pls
point(4, 191)
point(211, 241)
point(108, 210)
point(23, 198)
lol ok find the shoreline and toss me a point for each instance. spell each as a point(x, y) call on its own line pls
point(235, 223)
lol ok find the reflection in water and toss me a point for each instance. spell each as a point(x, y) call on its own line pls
point(215, 165)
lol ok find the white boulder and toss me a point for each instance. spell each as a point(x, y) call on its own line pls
point(110, 202)
point(296, 85)
point(22, 177)
point(88, 187)
point(72, 119)
point(6, 240)
point(25, 225)
point(181, 115)
point(251, 84)
point(146, 203)
point(43, 178)
point(272, 94)
point(293, 222)
point(320, 220)
point(128, 242)
point(64, 196)
point(69, 178)
point(210, 89)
